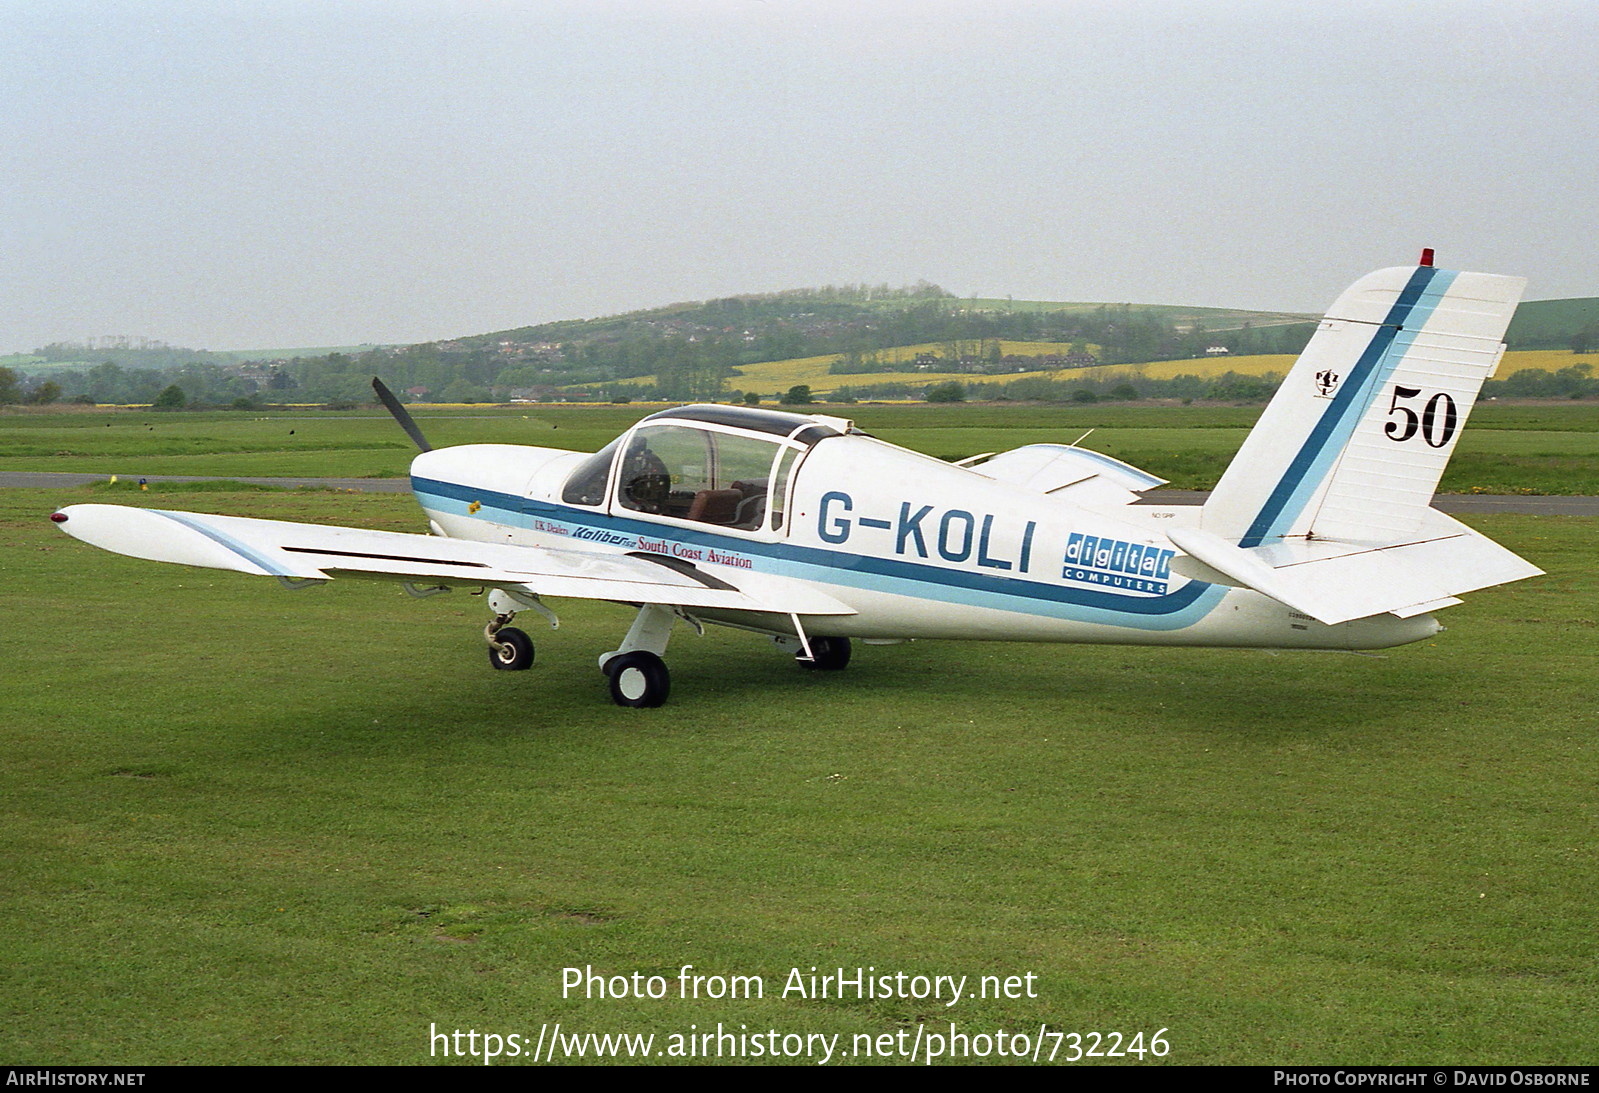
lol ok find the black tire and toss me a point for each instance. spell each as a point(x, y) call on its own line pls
point(516, 650)
point(832, 654)
point(638, 680)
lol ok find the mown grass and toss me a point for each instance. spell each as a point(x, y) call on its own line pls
point(247, 825)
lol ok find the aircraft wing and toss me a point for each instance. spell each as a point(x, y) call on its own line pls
point(297, 551)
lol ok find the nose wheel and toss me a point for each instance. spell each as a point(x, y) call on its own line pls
point(511, 650)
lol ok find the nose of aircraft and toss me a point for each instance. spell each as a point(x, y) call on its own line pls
point(493, 468)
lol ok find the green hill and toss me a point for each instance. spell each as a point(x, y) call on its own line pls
point(1552, 324)
point(1211, 318)
point(856, 334)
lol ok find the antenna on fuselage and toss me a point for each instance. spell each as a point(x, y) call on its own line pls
point(1080, 439)
point(401, 414)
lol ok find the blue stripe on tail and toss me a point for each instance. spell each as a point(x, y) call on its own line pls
point(1331, 434)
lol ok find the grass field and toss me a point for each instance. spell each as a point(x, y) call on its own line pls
point(1551, 449)
point(249, 825)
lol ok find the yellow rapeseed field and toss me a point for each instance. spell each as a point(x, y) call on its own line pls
point(778, 376)
point(1550, 360)
point(781, 375)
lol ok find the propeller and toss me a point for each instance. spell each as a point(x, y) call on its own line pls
point(401, 414)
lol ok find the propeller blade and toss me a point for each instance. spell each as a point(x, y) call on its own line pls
point(401, 415)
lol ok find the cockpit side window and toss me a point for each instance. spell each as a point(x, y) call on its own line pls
point(698, 474)
point(659, 462)
point(586, 486)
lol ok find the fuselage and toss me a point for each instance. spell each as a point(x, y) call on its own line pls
point(914, 546)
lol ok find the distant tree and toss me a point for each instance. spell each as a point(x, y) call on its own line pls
point(9, 391)
point(1083, 394)
point(521, 375)
point(752, 398)
point(45, 393)
point(1233, 386)
point(1124, 391)
point(798, 395)
point(244, 402)
point(461, 391)
point(946, 392)
point(171, 398)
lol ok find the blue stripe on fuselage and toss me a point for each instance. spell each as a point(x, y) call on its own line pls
point(1173, 611)
point(1327, 440)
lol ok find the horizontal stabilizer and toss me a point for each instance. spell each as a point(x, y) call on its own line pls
point(318, 552)
point(1338, 582)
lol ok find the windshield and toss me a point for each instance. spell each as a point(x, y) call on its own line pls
point(586, 486)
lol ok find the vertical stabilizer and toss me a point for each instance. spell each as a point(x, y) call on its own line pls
point(1353, 444)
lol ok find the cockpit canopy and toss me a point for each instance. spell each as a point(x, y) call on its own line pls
point(727, 466)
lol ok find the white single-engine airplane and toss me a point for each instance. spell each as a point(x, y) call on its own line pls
point(1320, 535)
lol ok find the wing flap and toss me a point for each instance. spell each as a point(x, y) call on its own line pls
point(320, 551)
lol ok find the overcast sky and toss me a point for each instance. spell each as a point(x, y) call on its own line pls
point(282, 173)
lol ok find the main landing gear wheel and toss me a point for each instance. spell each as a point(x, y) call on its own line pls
point(638, 679)
point(831, 654)
point(515, 651)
